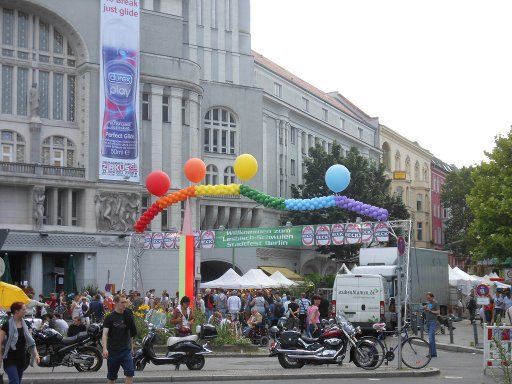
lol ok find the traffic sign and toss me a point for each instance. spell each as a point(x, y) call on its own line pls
point(482, 290)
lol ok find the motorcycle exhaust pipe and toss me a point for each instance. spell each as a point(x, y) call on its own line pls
point(300, 352)
point(205, 352)
point(306, 357)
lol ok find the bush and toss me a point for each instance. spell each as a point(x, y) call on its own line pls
point(227, 336)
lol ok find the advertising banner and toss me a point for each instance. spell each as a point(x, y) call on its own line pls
point(119, 100)
point(259, 237)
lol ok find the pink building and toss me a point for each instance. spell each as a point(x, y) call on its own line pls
point(439, 171)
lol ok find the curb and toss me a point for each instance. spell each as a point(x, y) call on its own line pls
point(459, 348)
point(222, 377)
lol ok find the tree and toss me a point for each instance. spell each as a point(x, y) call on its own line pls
point(453, 197)
point(490, 201)
point(368, 184)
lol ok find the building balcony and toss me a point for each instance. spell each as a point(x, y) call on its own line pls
point(420, 184)
point(51, 171)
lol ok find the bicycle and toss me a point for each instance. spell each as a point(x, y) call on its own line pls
point(415, 350)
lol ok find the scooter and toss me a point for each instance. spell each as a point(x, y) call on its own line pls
point(180, 350)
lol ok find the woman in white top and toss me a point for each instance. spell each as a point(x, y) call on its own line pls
point(182, 317)
point(76, 307)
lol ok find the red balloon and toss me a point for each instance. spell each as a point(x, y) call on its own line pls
point(195, 170)
point(158, 183)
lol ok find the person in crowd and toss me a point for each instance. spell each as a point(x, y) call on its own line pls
point(221, 304)
point(209, 303)
point(471, 306)
point(277, 310)
point(62, 307)
point(182, 317)
point(508, 316)
point(59, 324)
point(76, 327)
point(323, 308)
point(32, 305)
point(293, 314)
point(304, 304)
point(507, 300)
point(84, 306)
point(260, 304)
point(200, 303)
point(489, 311)
point(118, 331)
point(217, 320)
point(499, 306)
point(431, 313)
point(96, 311)
point(52, 303)
point(313, 317)
point(165, 301)
point(76, 307)
point(234, 304)
point(15, 340)
point(253, 321)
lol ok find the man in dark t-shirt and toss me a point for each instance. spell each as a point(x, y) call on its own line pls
point(293, 314)
point(323, 308)
point(76, 327)
point(118, 330)
point(431, 313)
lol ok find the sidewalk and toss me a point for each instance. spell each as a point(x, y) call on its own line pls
point(463, 338)
point(225, 369)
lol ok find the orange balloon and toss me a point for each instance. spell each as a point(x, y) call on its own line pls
point(195, 170)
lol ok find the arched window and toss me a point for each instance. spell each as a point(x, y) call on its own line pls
point(58, 151)
point(425, 172)
point(398, 161)
point(399, 191)
point(386, 155)
point(417, 171)
point(408, 166)
point(229, 175)
point(27, 37)
point(220, 131)
point(13, 146)
point(212, 175)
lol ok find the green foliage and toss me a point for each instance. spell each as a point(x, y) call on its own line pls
point(320, 281)
point(227, 336)
point(456, 189)
point(490, 202)
point(368, 184)
point(91, 288)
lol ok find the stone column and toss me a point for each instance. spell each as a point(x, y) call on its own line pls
point(192, 30)
point(35, 143)
point(36, 272)
point(207, 41)
point(265, 164)
point(235, 43)
point(299, 157)
point(157, 92)
point(54, 201)
point(221, 42)
point(68, 211)
point(175, 149)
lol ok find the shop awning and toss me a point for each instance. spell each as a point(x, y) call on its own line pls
point(288, 273)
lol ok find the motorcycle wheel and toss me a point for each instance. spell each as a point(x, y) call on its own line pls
point(139, 364)
point(195, 363)
point(98, 360)
point(288, 363)
point(368, 355)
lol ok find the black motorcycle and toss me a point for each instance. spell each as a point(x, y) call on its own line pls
point(180, 350)
point(80, 351)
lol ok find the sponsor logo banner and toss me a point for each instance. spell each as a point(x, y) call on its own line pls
point(353, 234)
point(323, 235)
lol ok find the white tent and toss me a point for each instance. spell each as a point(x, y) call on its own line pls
point(282, 279)
point(460, 279)
point(229, 280)
point(344, 270)
point(256, 278)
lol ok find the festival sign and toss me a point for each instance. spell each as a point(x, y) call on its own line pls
point(323, 235)
point(381, 232)
point(119, 93)
point(147, 241)
point(308, 236)
point(259, 237)
point(208, 239)
point(170, 240)
point(353, 234)
point(157, 241)
point(338, 234)
point(366, 232)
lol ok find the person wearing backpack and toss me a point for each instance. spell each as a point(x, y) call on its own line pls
point(277, 311)
point(304, 304)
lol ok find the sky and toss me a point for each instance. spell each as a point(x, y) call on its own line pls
point(438, 72)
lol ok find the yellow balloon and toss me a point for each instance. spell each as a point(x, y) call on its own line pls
point(246, 167)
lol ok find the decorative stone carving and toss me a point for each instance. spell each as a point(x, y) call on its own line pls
point(116, 211)
point(33, 100)
point(38, 206)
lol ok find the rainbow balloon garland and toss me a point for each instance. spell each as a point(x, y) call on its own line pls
point(277, 203)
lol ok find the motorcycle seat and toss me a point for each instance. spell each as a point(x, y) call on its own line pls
point(174, 340)
point(310, 340)
point(75, 339)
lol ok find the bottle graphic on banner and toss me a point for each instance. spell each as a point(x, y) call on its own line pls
point(119, 125)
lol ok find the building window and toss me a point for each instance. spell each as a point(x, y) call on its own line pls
point(220, 131)
point(165, 109)
point(184, 112)
point(386, 155)
point(325, 114)
point(408, 166)
point(214, 13)
point(8, 27)
point(44, 36)
point(7, 88)
point(419, 202)
point(61, 206)
point(229, 175)
point(293, 135)
point(417, 171)
point(58, 42)
point(342, 123)
point(360, 130)
point(278, 90)
point(23, 24)
point(292, 167)
point(71, 97)
point(329, 148)
point(398, 161)
point(419, 234)
point(304, 143)
point(399, 191)
point(281, 135)
point(199, 12)
point(164, 216)
point(58, 151)
point(281, 170)
point(44, 82)
point(21, 93)
point(145, 106)
point(58, 94)
point(305, 104)
point(212, 175)
point(13, 146)
point(145, 204)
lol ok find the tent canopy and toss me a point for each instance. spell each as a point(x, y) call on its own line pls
point(229, 280)
point(256, 278)
point(288, 273)
point(281, 279)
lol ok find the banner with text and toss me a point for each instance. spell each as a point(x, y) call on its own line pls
point(296, 236)
point(119, 94)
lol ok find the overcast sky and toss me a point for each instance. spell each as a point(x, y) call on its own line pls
point(438, 72)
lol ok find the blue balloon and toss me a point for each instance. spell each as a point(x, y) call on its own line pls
point(337, 178)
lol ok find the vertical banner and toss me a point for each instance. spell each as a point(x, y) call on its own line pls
point(190, 260)
point(119, 94)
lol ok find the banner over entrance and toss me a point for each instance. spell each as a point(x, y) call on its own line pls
point(295, 236)
point(119, 100)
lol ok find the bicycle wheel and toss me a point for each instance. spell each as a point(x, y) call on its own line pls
point(370, 350)
point(415, 352)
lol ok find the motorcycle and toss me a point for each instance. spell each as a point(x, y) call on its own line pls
point(338, 335)
point(180, 350)
point(78, 351)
